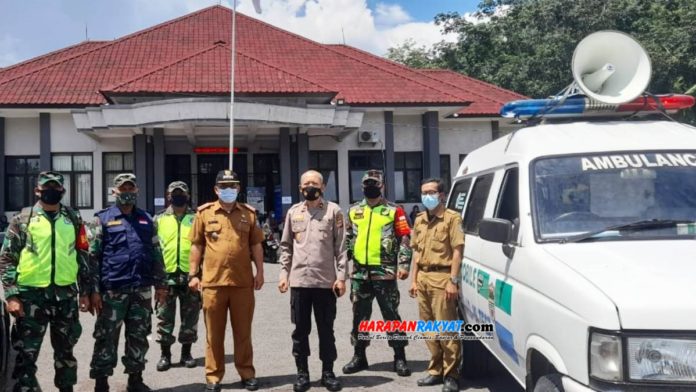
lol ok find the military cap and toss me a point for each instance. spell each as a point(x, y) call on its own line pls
point(48, 176)
point(227, 176)
point(373, 174)
point(178, 185)
point(123, 178)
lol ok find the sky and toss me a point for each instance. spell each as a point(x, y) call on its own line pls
point(30, 28)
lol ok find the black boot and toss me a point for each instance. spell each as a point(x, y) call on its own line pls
point(165, 361)
point(136, 384)
point(302, 384)
point(186, 358)
point(400, 364)
point(330, 382)
point(101, 384)
point(358, 363)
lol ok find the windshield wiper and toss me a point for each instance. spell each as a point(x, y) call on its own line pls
point(644, 224)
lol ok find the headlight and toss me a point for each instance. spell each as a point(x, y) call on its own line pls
point(661, 359)
point(605, 357)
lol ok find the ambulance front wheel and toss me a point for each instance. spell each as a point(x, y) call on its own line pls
point(550, 383)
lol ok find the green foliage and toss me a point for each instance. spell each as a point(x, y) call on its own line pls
point(527, 45)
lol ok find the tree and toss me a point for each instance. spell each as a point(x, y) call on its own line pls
point(527, 45)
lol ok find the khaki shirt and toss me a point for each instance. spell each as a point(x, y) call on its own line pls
point(436, 239)
point(313, 246)
point(227, 239)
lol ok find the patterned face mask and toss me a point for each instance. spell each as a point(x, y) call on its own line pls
point(126, 198)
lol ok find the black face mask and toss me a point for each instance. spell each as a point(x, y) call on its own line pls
point(372, 191)
point(311, 193)
point(179, 200)
point(51, 196)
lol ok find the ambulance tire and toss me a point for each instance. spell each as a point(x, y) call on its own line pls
point(550, 383)
point(477, 361)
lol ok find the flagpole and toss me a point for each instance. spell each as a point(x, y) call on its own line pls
point(234, 55)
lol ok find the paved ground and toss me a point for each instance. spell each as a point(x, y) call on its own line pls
point(273, 358)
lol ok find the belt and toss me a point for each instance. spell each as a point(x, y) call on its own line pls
point(434, 268)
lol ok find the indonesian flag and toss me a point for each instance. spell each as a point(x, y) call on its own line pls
point(257, 5)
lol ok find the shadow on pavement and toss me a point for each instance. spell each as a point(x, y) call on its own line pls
point(416, 366)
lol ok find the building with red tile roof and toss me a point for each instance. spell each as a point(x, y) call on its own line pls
point(156, 102)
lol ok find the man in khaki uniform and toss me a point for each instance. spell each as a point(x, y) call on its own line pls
point(437, 243)
point(313, 264)
point(227, 231)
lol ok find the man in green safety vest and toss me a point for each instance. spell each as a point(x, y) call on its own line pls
point(173, 226)
point(44, 265)
point(377, 236)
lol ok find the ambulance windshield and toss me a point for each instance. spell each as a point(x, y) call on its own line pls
point(586, 193)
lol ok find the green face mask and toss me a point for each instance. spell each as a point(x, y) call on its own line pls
point(126, 198)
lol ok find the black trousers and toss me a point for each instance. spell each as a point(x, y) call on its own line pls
point(323, 301)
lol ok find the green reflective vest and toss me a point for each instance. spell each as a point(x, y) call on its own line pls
point(370, 224)
point(174, 240)
point(49, 255)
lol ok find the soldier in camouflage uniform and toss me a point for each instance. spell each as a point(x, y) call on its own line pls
point(44, 266)
point(378, 237)
point(126, 254)
point(173, 226)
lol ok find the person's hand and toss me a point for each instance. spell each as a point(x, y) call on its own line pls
point(161, 295)
point(258, 280)
point(194, 284)
point(339, 288)
point(283, 285)
point(14, 307)
point(413, 291)
point(451, 291)
point(85, 305)
point(402, 274)
point(96, 302)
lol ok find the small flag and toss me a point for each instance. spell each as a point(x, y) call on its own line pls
point(257, 6)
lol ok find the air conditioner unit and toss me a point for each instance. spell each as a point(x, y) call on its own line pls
point(368, 137)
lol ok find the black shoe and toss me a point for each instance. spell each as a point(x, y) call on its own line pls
point(330, 382)
point(65, 389)
point(358, 363)
point(101, 384)
point(251, 384)
point(451, 385)
point(136, 384)
point(213, 387)
point(401, 367)
point(186, 358)
point(165, 361)
point(302, 384)
point(429, 381)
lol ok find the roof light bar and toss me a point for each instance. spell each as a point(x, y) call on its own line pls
point(578, 105)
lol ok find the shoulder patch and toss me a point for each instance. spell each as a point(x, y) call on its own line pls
point(248, 207)
point(204, 206)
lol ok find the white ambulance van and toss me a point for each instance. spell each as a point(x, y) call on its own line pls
point(581, 251)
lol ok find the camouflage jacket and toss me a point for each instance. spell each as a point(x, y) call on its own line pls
point(16, 239)
point(395, 248)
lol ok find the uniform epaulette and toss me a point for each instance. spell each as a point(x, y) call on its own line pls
point(421, 213)
point(204, 206)
point(248, 207)
point(451, 212)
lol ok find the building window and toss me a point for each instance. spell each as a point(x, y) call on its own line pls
point(358, 163)
point(114, 163)
point(20, 181)
point(177, 168)
point(326, 163)
point(445, 172)
point(408, 174)
point(77, 178)
point(461, 158)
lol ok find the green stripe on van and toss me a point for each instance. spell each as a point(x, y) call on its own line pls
point(503, 296)
point(482, 283)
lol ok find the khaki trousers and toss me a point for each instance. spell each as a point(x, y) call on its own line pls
point(217, 303)
point(432, 306)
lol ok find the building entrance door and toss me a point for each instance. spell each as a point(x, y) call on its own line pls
point(208, 167)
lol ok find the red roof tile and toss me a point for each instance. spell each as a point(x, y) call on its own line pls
point(190, 55)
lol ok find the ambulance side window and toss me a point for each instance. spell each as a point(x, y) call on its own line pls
point(508, 202)
point(459, 193)
point(477, 203)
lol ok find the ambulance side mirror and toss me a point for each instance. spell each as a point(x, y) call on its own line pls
point(496, 230)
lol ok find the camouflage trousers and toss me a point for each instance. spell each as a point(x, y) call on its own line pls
point(132, 307)
point(189, 310)
point(41, 307)
point(362, 294)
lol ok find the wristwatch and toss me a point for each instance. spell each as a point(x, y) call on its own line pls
point(454, 280)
